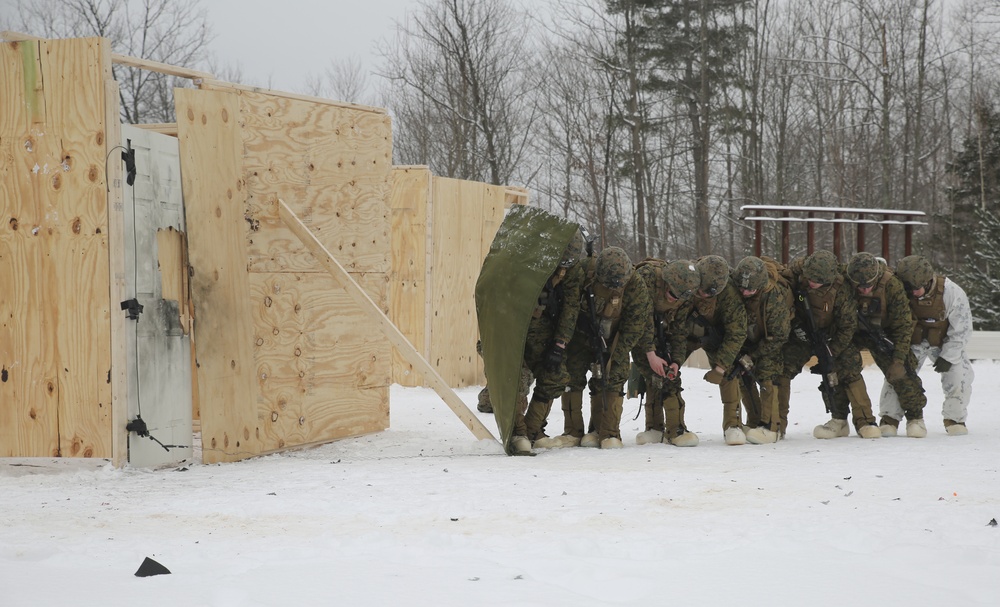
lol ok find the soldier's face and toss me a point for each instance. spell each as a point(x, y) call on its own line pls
point(866, 290)
point(918, 293)
point(748, 292)
point(815, 285)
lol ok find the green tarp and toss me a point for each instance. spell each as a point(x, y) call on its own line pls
point(525, 252)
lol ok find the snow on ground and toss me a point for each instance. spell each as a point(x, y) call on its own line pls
point(425, 514)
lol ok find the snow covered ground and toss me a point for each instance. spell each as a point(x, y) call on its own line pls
point(423, 514)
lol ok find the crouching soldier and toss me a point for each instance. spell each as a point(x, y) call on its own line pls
point(671, 287)
point(885, 328)
point(767, 298)
point(549, 331)
point(613, 318)
point(823, 326)
point(941, 334)
point(719, 326)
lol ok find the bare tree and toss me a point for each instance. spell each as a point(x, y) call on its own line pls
point(345, 80)
point(457, 82)
point(169, 31)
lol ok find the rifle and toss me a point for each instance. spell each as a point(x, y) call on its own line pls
point(743, 366)
point(597, 343)
point(883, 345)
point(663, 347)
point(821, 349)
point(713, 338)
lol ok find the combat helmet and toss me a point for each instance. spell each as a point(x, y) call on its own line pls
point(820, 267)
point(751, 274)
point(864, 270)
point(575, 250)
point(714, 272)
point(613, 268)
point(682, 278)
point(915, 272)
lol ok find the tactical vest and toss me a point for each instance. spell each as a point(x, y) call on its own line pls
point(930, 314)
point(607, 302)
point(821, 301)
point(756, 305)
point(550, 297)
point(872, 306)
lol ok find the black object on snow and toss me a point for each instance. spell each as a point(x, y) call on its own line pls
point(150, 567)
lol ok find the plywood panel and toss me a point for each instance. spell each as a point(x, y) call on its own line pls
point(54, 147)
point(331, 165)
point(408, 309)
point(457, 225)
point(215, 200)
point(322, 371)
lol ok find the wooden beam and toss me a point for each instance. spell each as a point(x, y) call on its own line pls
point(163, 128)
point(216, 85)
point(398, 340)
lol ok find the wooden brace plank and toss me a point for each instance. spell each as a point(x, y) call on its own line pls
point(398, 340)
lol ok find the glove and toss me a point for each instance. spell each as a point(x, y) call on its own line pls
point(941, 365)
point(800, 334)
point(554, 359)
point(714, 376)
point(895, 372)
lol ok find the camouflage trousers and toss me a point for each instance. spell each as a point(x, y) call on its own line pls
point(908, 388)
point(579, 362)
point(847, 365)
point(664, 405)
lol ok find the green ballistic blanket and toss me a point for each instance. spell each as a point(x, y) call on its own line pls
point(525, 252)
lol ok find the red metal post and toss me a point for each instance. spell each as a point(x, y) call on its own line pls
point(810, 234)
point(885, 238)
point(836, 237)
point(908, 244)
point(861, 233)
point(785, 239)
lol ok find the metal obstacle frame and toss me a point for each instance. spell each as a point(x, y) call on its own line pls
point(834, 216)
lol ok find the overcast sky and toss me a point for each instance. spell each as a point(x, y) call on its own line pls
point(279, 44)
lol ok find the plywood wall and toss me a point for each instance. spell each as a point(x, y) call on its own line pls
point(284, 357)
point(442, 231)
point(56, 380)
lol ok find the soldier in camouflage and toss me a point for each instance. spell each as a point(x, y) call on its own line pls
point(941, 334)
point(613, 317)
point(549, 331)
point(718, 323)
point(826, 317)
point(767, 298)
point(885, 328)
point(671, 287)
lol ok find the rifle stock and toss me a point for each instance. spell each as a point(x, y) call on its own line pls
point(883, 345)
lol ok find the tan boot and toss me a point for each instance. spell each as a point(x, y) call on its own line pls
point(861, 405)
point(916, 428)
point(954, 428)
point(889, 426)
point(610, 426)
point(729, 391)
point(572, 408)
point(835, 428)
point(534, 418)
point(766, 430)
point(676, 433)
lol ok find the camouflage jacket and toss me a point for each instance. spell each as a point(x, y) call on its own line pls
point(629, 324)
point(565, 296)
point(833, 307)
point(726, 314)
point(670, 316)
point(891, 313)
point(769, 320)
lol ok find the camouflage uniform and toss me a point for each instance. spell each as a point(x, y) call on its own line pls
point(718, 324)
point(622, 315)
point(670, 287)
point(887, 310)
point(769, 313)
point(834, 311)
point(941, 335)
